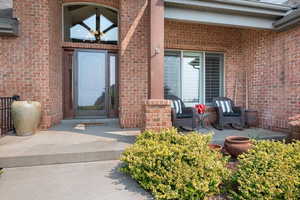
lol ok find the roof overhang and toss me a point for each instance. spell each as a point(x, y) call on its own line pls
point(234, 13)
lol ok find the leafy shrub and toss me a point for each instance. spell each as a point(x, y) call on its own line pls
point(175, 166)
point(270, 170)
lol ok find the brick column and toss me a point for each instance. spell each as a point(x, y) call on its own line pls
point(157, 114)
point(157, 111)
point(157, 49)
point(133, 61)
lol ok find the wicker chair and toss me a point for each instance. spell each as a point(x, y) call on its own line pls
point(183, 117)
point(229, 114)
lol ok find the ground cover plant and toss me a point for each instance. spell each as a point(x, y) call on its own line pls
point(175, 166)
point(269, 171)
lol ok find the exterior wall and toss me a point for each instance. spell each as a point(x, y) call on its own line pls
point(27, 65)
point(133, 61)
point(272, 62)
point(199, 37)
point(157, 114)
point(31, 64)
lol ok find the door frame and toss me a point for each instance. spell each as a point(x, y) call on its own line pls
point(102, 113)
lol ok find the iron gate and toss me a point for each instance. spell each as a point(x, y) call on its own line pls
point(6, 123)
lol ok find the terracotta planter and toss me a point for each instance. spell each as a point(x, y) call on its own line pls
point(236, 145)
point(26, 116)
point(294, 129)
point(215, 147)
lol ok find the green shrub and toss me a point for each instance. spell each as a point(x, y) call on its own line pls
point(270, 170)
point(175, 166)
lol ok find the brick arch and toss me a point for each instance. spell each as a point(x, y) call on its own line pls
point(109, 3)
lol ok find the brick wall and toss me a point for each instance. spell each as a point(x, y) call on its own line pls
point(26, 67)
point(157, 114)
point(54, 103)
point(272, 62)
point(133, 61)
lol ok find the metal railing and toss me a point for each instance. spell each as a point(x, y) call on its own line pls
point(6, 122)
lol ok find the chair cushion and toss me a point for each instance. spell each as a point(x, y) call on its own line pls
point(185, 115)
point(233, 114)
point(176, 104)
point(225, 105)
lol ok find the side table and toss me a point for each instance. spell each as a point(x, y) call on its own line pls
point(251, 118)
point(203, 123)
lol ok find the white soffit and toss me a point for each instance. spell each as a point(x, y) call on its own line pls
point(235, 13)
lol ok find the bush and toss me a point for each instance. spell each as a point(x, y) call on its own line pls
point(270, 170)
point(175, 166)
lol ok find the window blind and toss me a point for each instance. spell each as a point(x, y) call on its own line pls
point(213, 76)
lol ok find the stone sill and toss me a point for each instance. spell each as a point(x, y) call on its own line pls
point(9, 27)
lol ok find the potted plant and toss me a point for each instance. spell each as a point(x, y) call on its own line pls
point(294, 124)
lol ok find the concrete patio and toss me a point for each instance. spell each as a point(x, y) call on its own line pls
point(76, 181)
point(74, 142)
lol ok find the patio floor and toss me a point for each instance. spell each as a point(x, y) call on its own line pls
point(254, 133)
point(73, 142)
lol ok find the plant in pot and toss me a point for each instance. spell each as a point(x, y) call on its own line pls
point(294, 124)
point(26, 117)
point(236, 145)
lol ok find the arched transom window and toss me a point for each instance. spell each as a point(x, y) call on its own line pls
point(90, 24)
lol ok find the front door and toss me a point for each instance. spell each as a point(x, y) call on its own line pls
point(91, 84)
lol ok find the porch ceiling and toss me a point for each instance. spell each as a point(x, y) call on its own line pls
point(235, 13)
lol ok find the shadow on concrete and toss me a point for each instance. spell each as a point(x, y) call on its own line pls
point(110, 130)
point(119, 178)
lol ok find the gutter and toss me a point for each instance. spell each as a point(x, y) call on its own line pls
point(256, 4)
point(234, 6)
point(289, 21)
point(243, 3)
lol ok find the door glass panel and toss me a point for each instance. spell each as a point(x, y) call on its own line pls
point(191, 77)
point(112, 83)
point(91, 81)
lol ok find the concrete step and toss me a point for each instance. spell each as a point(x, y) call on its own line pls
point(59, 158)
point(67, 143)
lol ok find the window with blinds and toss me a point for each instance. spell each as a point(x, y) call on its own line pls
point(195, 77)
point(213, 76)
